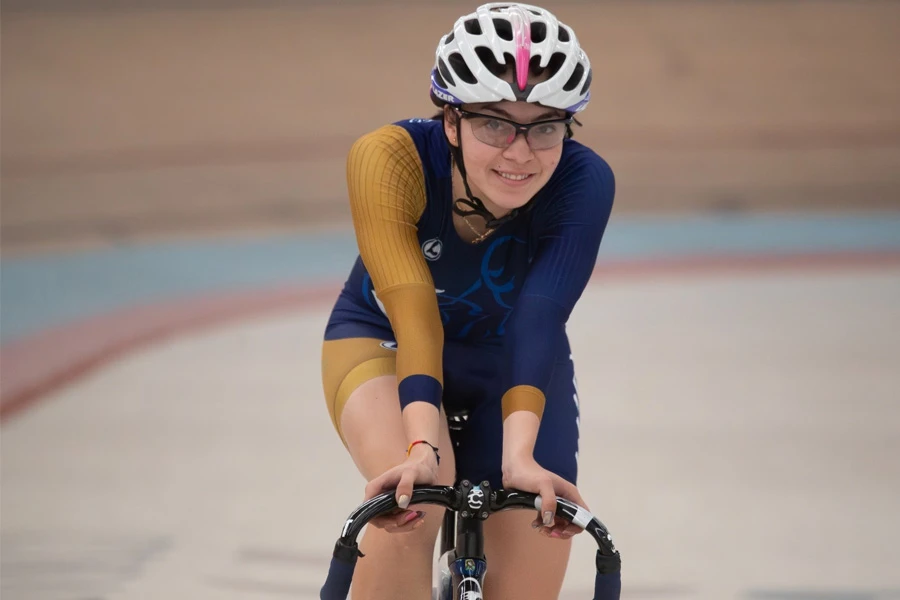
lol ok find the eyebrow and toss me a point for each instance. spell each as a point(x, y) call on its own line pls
point(552, 114)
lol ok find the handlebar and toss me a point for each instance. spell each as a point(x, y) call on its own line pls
point(607, 584)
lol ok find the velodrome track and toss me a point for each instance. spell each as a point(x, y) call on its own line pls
point(739, 429)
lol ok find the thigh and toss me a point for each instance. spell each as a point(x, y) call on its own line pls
point(376, 439)
point(374, 434)
point(347, 364)
point(512, 546)
point(522, 563)
point(359, 378)
point(367, 415)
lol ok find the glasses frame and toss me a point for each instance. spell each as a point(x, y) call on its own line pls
point(521, 128)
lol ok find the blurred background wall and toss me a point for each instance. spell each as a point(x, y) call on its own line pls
point(129, 119)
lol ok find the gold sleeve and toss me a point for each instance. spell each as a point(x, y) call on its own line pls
point(523, 397)
point(386, 184)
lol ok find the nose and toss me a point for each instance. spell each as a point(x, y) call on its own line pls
point(519, 150)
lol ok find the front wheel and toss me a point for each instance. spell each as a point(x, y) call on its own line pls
point(443, 589)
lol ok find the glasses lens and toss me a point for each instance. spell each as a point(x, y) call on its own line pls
point(501, 134)
point(493, 132)
point(546, 135)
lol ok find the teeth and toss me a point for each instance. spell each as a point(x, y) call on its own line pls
point(511, 176)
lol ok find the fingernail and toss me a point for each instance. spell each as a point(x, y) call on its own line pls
point(554, 534)
point(535, 524)
point(403, 501)
point(548, 518)
point(411, 515)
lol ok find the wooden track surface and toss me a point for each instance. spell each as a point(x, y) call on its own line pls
point(134, 119)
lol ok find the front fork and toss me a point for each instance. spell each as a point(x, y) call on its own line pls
point(468, 576)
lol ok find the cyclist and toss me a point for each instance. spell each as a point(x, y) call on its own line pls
point(478, 230)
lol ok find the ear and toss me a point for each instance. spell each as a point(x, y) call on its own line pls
point(450, 129)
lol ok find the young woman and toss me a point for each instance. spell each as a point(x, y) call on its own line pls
point(478, 231)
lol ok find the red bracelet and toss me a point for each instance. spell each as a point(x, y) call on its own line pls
point(433, 447)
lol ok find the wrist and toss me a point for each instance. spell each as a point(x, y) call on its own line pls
point(421, 421)
point(517, 458)
point(423, 450)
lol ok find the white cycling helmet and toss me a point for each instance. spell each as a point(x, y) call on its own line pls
point(499, 35)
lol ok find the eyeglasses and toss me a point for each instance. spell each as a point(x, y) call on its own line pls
point(501, 133)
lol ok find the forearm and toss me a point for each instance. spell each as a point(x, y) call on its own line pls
point(520, 430)
point(421, 421)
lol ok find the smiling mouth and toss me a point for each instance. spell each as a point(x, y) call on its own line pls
point(514, 177)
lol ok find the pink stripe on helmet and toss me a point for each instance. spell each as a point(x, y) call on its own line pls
point(521, 24)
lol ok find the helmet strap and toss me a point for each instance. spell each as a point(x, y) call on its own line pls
point(475, 204)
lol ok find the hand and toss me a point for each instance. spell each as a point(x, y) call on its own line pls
point(527, 475)
point(420, 467)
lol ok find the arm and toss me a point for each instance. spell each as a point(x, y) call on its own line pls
point(565, 258)
point(386, 184)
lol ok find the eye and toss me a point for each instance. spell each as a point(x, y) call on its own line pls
point(548, 129)
point(494, 124)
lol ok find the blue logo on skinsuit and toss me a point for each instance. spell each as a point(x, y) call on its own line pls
point(481, 310)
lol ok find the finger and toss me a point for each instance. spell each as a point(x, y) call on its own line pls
point(373, 488)
point(383, 482)
point(405, 487)
point(568, 491)
point(408, 520)
point(548, 502)
point(569, 532)
point(396, 522)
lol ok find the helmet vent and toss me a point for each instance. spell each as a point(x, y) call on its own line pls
point(538, 32)
point(458, 65)
point(564, 34)
point(555, 63)
point(473, 27)
point(575, 79)
point(504, 29)
point(487, 59)
point(445, 73)
point(449, 39)
point(587, 83)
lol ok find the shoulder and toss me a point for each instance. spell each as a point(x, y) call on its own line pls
point(418, 142)
point(580, 166)
point(582, 182)
point(422, 130)
point(431, 145)
point(388, 138)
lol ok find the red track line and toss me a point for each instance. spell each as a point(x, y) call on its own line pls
point(35, 366)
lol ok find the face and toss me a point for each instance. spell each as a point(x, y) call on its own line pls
point(505, 178)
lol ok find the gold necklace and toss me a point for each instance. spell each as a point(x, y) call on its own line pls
point(479, 237)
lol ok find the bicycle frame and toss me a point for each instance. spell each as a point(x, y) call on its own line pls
point(473, 504)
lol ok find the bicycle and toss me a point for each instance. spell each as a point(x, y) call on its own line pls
point(462, 543)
